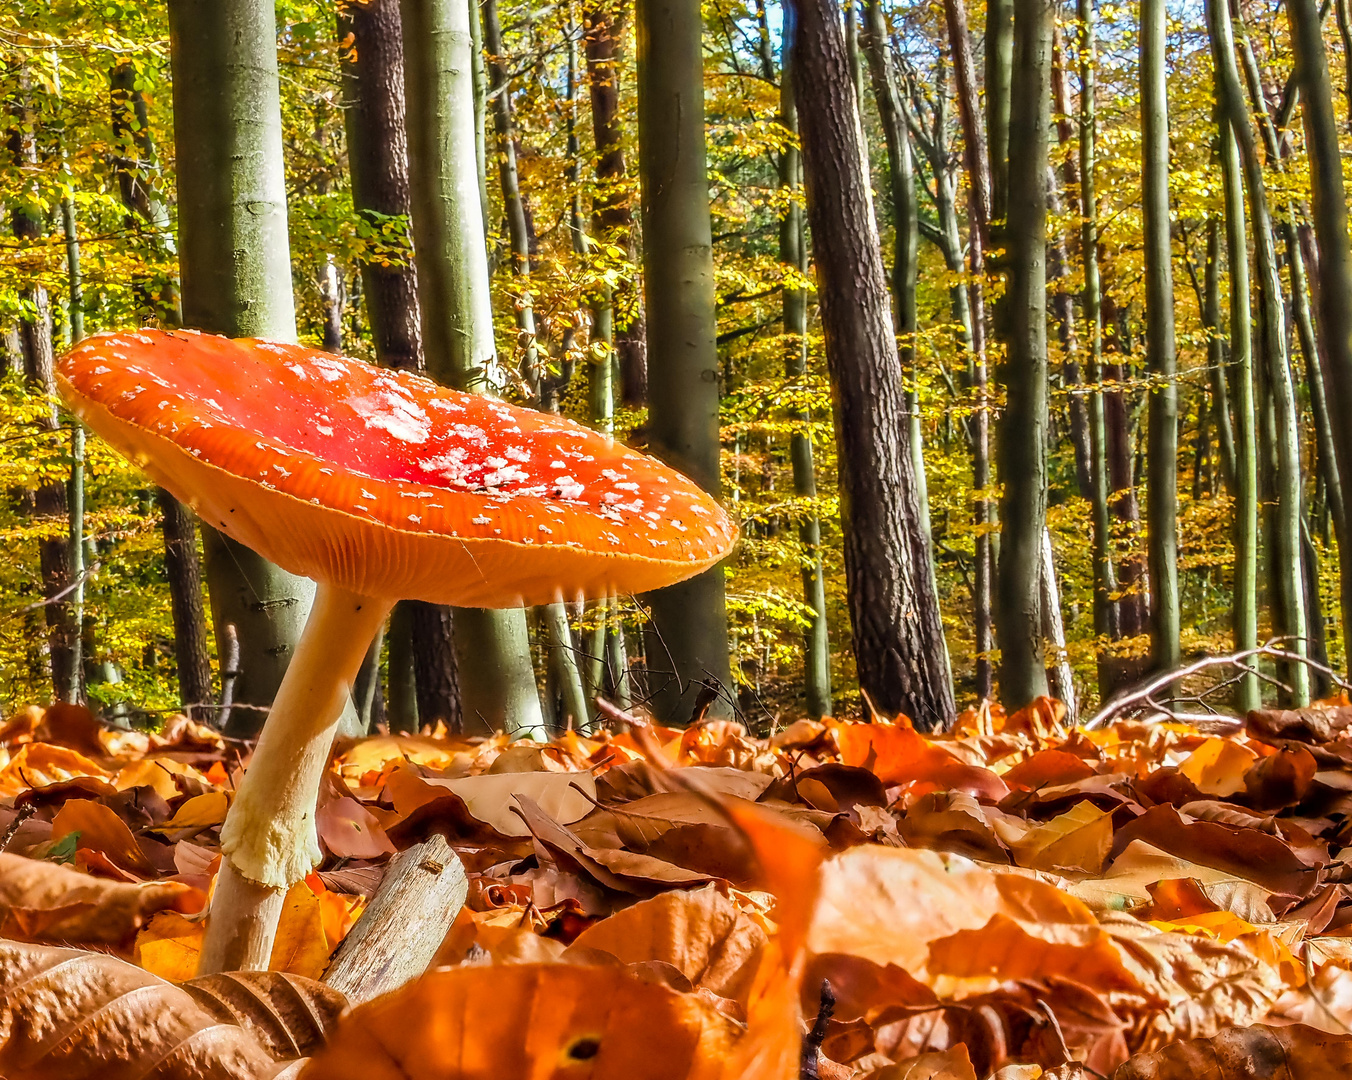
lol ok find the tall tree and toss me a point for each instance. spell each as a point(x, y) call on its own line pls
point(1161, 356)
point(377, 154)
point(1329, 207)
point(182, 562)
point(977, 166)
point(689, 634)
point(47, 502)
point(894, 612)
point(1000, 72)
point(793, 253)
point(493, 660)
point(905, 217)
point(1284, 555)
point(235, 264)
point(1105, 575)
point(1023, 427)
point(613, 215)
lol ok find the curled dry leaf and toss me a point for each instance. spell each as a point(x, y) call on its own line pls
point(289, 1015)
point(42, 901)
point(487, 1023)
point(487, 798)
point(87, 1016)
point(702, 934)
point(1254, 1053)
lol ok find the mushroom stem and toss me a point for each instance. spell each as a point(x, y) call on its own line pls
point(269, 840)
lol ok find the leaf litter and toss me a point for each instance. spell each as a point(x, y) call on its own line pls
point(1013, 899)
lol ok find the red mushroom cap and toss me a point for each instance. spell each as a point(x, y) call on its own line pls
point(385, 483)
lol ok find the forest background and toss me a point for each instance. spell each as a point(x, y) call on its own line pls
point(92, 169)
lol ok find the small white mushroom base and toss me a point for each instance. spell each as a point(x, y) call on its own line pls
point(269, 838)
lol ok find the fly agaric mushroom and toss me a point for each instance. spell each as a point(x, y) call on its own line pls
point(380, 486)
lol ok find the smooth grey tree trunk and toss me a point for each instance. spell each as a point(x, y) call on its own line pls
point(793, 252)
point(1161, 355)
point(1245, 587)
point(492, 648)
point(1284, 557)
point(1023, 427)
point(977, 166)
point(1105, 574)
point(688, 637)
point(1215, 353)
point(1329, 211)
point(235, 264)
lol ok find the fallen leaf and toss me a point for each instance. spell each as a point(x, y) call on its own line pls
point(952, 1064)
point(290, 1016)
point(89, 1016)
point(39, 764)
point(101, 830)
point(350, 831)
point(198, 813)
point(1254, 1053)
point(41, 901)
point(523, 1020)
point(565, 797)
point(701, 933)
point(1078, 840)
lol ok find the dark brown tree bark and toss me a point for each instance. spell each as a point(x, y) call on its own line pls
point(1133, 613)
point(183, 567)
point(377, 151)
point(898, 638)
point(613, 218)
point(178, 524)
point(377, 147)
point(48, 501)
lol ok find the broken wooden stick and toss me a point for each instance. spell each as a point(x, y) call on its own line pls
point(404, 924)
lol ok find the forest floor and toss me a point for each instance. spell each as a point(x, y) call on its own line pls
point(1013, 898)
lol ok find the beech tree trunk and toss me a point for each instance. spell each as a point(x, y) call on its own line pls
point(1161, 357)
point(492, 648)
point(235, 263)
point(1329, 210)
point(898, 637)
point(688, 639)
point(979, 206)
point(793, 253)
point(1023, 427)
point(1215, 353)
point(1284, 557)
point(1105, 574)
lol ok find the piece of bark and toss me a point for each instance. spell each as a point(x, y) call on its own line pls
point(404, 924)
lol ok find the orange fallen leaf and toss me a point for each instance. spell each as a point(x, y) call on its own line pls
point(38, 764)
point(101, 830)
point(529, 1020)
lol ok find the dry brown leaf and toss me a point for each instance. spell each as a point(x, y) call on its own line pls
point(42, 901)
point(702, 933)
point(289, 1015)
point(951, 1064)
point(88, 1016)
point(1250, 1053)
point(488, 798)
